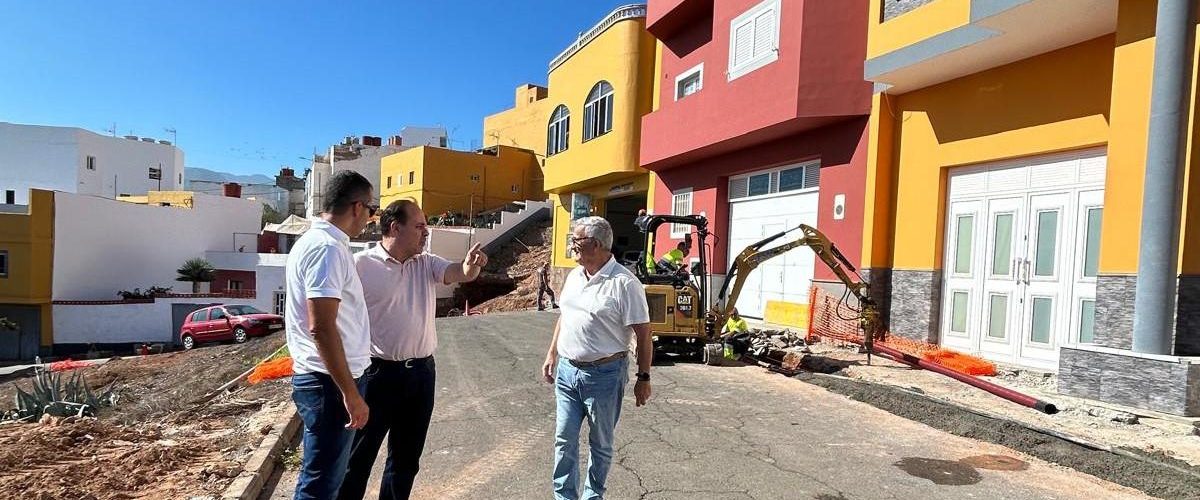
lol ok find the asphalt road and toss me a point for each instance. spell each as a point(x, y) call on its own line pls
point(732, 432)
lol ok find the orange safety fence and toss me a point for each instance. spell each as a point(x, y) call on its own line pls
point(68, 364)
point(831, 318)
point(272, 369)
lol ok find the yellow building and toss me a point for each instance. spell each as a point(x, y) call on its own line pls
point(587, 123)
point(445, 180)
point(26, 258)
point(523, 125)
point(179, 199)
point(1006, 167)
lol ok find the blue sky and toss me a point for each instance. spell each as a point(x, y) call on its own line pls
point(252, 85)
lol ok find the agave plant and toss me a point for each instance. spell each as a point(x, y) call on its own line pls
point(50, 395)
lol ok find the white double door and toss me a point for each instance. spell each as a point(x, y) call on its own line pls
point(1020, 273)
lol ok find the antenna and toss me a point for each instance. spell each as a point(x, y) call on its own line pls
point(112, 130)
point(174, 135)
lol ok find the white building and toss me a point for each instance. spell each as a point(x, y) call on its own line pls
point(103, 246)
point(364, 156)
point(74, 160)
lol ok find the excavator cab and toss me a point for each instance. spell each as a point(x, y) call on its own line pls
point(677, 300)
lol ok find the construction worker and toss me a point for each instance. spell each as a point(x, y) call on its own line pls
point(544, 287)
point(674, 260)
point(736, 323)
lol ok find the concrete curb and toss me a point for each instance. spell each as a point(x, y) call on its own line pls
point(248, 484)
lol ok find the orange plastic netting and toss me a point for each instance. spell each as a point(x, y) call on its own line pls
point(276, 368)
point(832, 319)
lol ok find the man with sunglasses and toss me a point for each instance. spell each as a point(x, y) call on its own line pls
point(603, 308)
point(328, 334)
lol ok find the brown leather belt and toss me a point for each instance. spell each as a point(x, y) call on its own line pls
point(602, 361)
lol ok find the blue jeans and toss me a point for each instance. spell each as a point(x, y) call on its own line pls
point(326, 439)
point(593, 393)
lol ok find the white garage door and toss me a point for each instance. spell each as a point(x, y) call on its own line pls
point(1022, 247)
point(763, 204)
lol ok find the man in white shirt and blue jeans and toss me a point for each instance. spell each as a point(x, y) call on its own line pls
point(328, 334)
point(603, 308)
point(400, 283)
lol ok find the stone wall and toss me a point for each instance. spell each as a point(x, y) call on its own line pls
point(1152, 383)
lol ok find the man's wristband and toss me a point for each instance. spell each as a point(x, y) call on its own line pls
point(643, 377)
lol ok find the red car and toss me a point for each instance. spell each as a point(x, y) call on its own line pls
point(228, 322)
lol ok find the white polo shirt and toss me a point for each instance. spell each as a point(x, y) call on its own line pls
point(320, 265)
point(598, 313)
point(402, 302)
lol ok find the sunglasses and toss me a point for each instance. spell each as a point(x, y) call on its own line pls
point(578, 242)
point(371, 209)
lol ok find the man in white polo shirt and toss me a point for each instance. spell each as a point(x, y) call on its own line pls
point(328, 334)
point(603, 308)
point(400, 282)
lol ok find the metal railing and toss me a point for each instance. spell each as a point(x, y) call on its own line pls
point(621, 13)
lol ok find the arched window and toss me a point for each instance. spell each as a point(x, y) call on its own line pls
point(598, 111)
point(556, 133)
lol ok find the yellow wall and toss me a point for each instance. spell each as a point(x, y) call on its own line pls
point(1021, 109)
point(931, 19)
point(631, 184)
point(29, 240)
point(183, 199)
point(522, 126)
point(443, 179)
point(624, 57)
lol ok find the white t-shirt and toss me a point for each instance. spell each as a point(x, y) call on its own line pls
point(320, 265)
point(402, 302)
point(598, 313)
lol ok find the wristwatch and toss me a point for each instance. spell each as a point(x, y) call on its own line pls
point(643, 377)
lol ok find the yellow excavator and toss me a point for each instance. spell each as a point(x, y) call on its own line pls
point(679, 320)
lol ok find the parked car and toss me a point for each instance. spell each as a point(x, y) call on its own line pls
point(227, 322)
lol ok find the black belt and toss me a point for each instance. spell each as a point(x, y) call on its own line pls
point(602, 361)
point(404, 363)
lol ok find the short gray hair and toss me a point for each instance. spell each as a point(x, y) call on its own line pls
point(596, 227)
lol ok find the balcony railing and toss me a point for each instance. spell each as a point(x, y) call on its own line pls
point(622, 13)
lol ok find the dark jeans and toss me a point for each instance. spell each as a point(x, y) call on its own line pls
point(400, 395)
point(326, 439)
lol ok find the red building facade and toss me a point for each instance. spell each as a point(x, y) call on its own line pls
point(761, 124)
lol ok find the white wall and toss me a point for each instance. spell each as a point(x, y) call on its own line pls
point(102, 246)
point(37, 157)
point(369, 164)
point(117, 323)
point(422, 136)
point(55, 158)
point(314, 188)
point(452, 243)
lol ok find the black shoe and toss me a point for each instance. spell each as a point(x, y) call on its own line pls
point(541, 308)
point(555, 306)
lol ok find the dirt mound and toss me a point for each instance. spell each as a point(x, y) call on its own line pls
point(158, 441)
point(90, 458)
point(155, 386)
point(513, 272)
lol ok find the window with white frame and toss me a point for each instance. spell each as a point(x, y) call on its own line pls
point(598, 111)
point(3, 263)
point(754, 38)
point(556, 132)
point(91, 163)
point(777, 180)
point(689, 82)
point(681, 204)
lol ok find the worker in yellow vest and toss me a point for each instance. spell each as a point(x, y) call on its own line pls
point(736, 323)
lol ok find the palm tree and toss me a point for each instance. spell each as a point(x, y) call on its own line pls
point(197, 271)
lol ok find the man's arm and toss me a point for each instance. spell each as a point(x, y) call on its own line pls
point(322, 318)
point(468, 269)
point(551, 355)
point(645, 356)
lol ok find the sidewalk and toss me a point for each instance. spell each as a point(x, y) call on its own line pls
point(1086, 420)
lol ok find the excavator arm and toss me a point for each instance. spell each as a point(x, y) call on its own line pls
point(753, 256)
